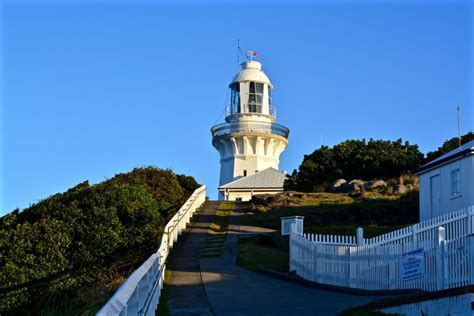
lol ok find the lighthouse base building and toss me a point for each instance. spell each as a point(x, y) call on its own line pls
point(268, 181)
point(250, 141)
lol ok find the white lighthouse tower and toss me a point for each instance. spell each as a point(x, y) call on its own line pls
point(250, 142)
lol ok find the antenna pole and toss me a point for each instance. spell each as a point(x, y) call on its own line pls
point(238, 53)
point(459, 126)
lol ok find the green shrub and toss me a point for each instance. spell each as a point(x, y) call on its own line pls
point(71, 240)
point(449, 145)
point(354, 159)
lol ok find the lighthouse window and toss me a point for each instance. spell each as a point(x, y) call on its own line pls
point(235, 98)
point(269, 96)
point(255, 97)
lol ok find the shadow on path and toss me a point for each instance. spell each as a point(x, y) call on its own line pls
point(186, 292)
point(217, 286)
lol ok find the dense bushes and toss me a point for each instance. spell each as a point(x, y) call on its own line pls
point(364, 212)
point(61, 242)
point(449, 145)
point(354, 159)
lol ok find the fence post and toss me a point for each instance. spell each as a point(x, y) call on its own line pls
point(360, 236)
point(132, 304)
point(440, 260)
point(470, 217)
point(470, 258)
point(142, 293)
point(391, 268)
point(414, 237)
point(349, 267)
point(291, 251)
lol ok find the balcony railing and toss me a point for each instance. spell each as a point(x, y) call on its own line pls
point(250, 108)
point(250, 126)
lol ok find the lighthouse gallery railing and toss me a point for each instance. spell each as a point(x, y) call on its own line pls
point(250, 126)
point(140, 293)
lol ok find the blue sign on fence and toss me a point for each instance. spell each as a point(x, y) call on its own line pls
point(412, 265)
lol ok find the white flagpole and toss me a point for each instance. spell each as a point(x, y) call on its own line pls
point(459, 126)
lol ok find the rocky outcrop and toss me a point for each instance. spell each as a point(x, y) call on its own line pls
point(284, 198)
point(375, 185)
point(355, 186)
point(261, 199)
point(336, 186)
point(400, 189)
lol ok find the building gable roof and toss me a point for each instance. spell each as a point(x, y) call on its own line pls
point(464, 150)
point(268, 178)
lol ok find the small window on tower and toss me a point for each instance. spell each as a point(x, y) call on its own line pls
point(255, 97)
point(245, 173)
point(269, 96)
point(235, 98)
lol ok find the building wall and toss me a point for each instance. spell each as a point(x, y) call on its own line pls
point(448, 203)
point(245, 195)
point(454, 306)
point(252, 153)
point(227, 171)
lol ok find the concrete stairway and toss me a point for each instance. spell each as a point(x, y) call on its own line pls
point(187, 294)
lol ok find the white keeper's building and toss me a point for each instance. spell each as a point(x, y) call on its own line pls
point(447, 183)
point(250, 141)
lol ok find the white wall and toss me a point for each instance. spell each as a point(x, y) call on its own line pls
point(245, 195)
point(248, 151)
point(449, 203)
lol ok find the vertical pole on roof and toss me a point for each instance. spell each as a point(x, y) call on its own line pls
point(459, 126)
point(238, 54)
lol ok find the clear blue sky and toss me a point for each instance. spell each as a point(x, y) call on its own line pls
point(91, 90)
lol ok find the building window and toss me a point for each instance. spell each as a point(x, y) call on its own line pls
point(269, 96)
point(245, 173)
point(255, 97)
point(235, 98)
point(456, 182)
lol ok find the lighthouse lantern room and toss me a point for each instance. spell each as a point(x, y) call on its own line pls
point(250, 141)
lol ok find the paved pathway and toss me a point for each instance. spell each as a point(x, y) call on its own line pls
point(222, 288)
point(187, 294)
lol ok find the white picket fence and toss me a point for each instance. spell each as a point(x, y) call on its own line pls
point(140, 293)
point(445, 245)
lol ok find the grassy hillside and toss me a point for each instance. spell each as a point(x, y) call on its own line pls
point(324, 213)
point(66, 254)
point(328, 212)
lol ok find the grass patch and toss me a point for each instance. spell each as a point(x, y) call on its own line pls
point(323, 210)
point(325, 213)
point(214, 244)
point(251, 254)
point(220, 222)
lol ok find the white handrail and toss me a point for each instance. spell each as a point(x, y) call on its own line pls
point(140, 293)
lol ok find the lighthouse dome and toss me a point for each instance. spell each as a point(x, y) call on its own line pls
point(252, 71)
